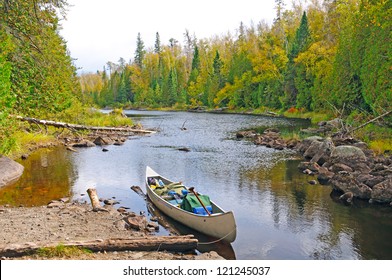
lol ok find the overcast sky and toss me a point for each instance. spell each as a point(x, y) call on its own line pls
point(98, 31)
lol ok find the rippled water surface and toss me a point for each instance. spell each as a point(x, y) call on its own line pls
point(278, 214)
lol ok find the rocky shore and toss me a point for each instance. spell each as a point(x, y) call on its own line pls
point(61, 222)
point(344, 163)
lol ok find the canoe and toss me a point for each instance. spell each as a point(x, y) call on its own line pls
point(218, 223)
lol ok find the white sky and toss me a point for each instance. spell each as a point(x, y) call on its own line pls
point(98, 31)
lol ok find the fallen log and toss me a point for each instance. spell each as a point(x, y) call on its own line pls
point(82, 127)
point(183, 243)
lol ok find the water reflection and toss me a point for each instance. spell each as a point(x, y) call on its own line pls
point(48, 175)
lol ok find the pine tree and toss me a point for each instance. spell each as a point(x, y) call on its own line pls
point(195, 65)
point(294, 74)
point(157, 46)
point(140, 51)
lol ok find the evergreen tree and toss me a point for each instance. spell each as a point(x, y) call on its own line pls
point(294, 74)
point(195, 65)
point(140, 51)
point(157, 46)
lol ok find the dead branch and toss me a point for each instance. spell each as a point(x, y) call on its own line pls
point(372, 120)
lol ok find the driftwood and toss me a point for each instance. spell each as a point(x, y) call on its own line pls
point(372, 120)
point(183, 243)
point(82, 127)
point(92, 193)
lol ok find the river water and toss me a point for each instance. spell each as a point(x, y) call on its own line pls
point(279, 215)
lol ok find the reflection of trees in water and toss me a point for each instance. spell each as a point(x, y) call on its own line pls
point(327, 228)
point(48, 175)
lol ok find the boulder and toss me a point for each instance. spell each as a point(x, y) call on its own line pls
point(320, 152)
point(351, 156)
point(324, 177)
point(84, 144)
point(382, 192)
point(340, 167)
point(370, 180)
point(10, 171)
point(313, 149)
point(305, 144)
point(102, 140)
point(346, 182)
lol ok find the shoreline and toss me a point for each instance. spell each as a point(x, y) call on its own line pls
point(64, 222)
point(348, 165)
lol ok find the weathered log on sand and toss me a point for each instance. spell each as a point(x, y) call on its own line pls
point(92, 193)
point(183, 243)
point(82, 127)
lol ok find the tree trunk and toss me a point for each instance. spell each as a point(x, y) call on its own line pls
point(92, 193)
point(156, 243)
point(82, 127)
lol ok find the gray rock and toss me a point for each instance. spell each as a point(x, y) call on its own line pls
point(10, 171)
point(305, 144)
point(110, 202)
point(84, 144)
point(322, 153)
point(382, 192)
point(346, 182)
point(324, 177)
point(136, 222)
point(101, 140)
point(370, 180)
point(351, 156)
point(340, 167)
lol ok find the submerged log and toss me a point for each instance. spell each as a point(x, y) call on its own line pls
point(82, 127)
point(150, 243)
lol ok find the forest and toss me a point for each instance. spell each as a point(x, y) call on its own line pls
point(329, 56)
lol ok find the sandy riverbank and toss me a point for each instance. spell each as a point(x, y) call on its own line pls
point(76, 222)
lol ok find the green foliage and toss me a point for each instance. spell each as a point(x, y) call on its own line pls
point(37, 76)
point(61, 251)
point(140, 52)
point(334, 57)
point(297, 84)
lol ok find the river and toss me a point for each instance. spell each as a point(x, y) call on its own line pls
point(279, 215)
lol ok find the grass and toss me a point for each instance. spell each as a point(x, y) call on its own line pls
point(62, 251)
point(21, 137)
point(315, 117)
point(21, 142)
point(381, 146)
point(99, 119)
point(79, 114)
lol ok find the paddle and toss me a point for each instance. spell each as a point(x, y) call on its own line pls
point(192, 189)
